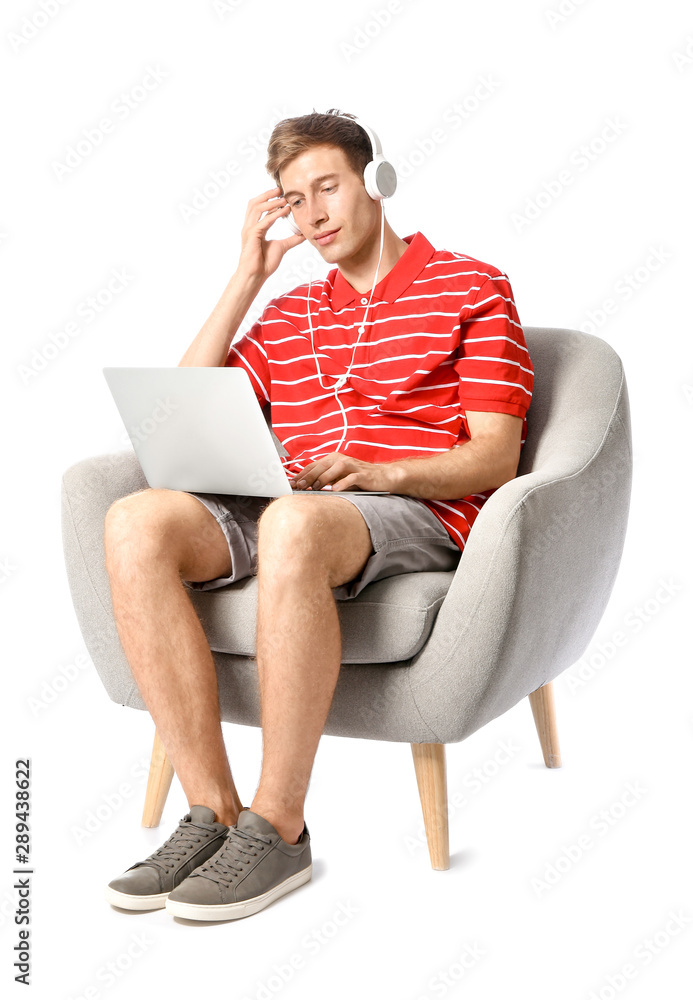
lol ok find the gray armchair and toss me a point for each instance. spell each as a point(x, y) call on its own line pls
point(428, 658)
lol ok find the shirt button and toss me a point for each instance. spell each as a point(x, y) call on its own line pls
point(364, 302)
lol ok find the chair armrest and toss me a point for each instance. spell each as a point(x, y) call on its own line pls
point(532, 584)
point(88, 489)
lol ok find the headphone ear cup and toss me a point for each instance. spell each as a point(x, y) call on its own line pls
point(380, 178)
point(292, 225)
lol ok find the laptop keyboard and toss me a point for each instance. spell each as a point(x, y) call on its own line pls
point(368, 493)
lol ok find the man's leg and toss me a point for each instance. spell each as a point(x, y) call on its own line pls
point(154, 539)
point(306, 546)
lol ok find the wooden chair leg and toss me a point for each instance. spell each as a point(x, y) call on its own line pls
point(544, 712)
point(158, 784)
point(431, 777)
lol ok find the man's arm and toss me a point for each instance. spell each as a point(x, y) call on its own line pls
point(489, 459)
point(486, 461)
point(259, 258)
point(496, 373)
point(210, 347)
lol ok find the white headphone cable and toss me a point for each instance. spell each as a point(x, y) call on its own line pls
point(343, 378)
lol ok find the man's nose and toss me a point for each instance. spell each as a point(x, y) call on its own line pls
point(316, 210)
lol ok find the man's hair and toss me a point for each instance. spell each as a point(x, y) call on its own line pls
point(293, 136)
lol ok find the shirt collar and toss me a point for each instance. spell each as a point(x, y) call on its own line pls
point(408, 267)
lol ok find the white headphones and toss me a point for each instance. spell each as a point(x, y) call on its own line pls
point(379, 175)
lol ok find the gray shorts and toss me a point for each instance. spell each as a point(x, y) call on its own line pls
point(406, 537)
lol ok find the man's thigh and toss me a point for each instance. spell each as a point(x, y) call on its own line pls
point(170, 521)
point(404, 536)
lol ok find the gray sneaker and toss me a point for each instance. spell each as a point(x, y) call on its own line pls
point(252, 869)
point(146, 884)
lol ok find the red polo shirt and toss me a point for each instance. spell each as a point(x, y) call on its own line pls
point(442, 336)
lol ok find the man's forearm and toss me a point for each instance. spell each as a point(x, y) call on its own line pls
point(211, 346)
point(472, 467)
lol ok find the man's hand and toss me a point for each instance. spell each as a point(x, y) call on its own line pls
point(261, 257)
point(342, 472)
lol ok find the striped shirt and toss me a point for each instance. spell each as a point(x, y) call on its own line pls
point(442, 336)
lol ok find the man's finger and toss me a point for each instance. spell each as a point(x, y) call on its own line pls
point(258, 206)
point(292, 241)
point(274, 213)
point(266, 195)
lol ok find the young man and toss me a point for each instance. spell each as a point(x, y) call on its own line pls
point(404, 371)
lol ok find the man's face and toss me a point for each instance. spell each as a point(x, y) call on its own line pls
point(325, 195)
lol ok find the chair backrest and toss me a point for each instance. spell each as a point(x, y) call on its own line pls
point(579, 390)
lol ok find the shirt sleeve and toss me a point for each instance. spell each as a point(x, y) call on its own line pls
point(493, 364)
point(248, 352)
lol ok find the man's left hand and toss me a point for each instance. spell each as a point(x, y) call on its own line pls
point(342, 472)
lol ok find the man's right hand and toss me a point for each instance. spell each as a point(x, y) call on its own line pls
point(261, 257)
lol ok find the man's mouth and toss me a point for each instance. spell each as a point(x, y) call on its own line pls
point(324, 238)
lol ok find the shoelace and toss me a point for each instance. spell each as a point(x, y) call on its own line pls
point(172, 850)
point(222, 868)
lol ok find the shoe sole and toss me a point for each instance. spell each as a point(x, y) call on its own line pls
point(244, 908)
point(128, 902)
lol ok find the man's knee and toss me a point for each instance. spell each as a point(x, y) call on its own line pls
point(136, 527)
point(154, 528)
point(289, 528)
point(328, 535)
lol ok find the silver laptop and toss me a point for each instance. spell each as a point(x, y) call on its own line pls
point(201, 430)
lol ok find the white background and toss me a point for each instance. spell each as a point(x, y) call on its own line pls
point(536, 82)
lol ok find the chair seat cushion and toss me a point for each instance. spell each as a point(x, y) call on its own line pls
point(389, 620)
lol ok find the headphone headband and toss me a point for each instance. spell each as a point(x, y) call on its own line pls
point(379, 176)
point(375, 141)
